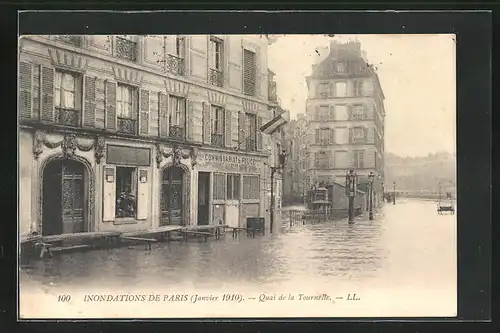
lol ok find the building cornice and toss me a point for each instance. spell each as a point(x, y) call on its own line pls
point(142, 68)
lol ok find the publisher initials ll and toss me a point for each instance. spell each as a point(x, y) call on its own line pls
point(352, 297)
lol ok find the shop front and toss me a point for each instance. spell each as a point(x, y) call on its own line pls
point(229, 187)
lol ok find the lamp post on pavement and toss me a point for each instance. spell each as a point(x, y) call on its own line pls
point(371, 176)
point(394, 193)
point(350, 188)
point(282, 160)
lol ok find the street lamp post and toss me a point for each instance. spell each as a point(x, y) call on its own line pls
point(282, 159)
point(394, 193)
point(371, 176)
point(350, 187)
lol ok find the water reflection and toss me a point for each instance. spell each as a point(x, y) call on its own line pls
point(310, 251)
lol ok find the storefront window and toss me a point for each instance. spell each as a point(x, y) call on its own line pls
point(233, 187)
point(219, 186)
point(251, 187)
point(126, 198)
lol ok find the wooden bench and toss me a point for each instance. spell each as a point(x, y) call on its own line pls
point(69, 248)
point(147, 241)
point(198, 233)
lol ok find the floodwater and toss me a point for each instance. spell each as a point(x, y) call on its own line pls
point(407, 245)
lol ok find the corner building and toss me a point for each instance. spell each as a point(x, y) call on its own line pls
point(125, 132)
point(345, 118)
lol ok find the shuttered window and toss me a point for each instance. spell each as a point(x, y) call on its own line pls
point(126, 114)
point(233, 186)
point(358, 112)
point(249, 72)
point(67, 99)
point(251, 131)
point(177, 117)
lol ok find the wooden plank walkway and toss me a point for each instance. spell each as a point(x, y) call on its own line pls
point(81, 236)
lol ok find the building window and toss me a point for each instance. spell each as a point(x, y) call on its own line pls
point(217, 118)
point(341, 68)
point(323, 159)
point(340, 89)
point(358, 112)
point(359, 159)
point(216, 62)
point(251, 132)
point(324, 89)
point(249, 72)
point(175, 62)
point(323, 113)
point(341, 160)
point(251, 187)
point(67, 98)
point(233, 187)
point(126, 192)
point(358, 88)
point(177, 118)
point(219, 186)
point(358, 134)
point(324, 136)
point(126, 48)
point(125, 109)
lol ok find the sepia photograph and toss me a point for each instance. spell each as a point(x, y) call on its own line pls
point(237, 176)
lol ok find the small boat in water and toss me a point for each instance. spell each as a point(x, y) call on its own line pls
point(447, 205)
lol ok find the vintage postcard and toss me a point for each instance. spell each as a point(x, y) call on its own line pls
point(230, 176)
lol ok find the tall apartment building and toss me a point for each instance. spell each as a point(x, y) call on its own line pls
point(126, 132)
point(295, 183)
point(345, 117)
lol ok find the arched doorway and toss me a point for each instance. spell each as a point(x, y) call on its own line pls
point(172, 203)
point(64, 197)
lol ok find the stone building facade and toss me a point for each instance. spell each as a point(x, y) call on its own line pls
point(126, 132)
point(345, 117)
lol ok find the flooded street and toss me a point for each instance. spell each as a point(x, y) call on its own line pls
point(407, 245)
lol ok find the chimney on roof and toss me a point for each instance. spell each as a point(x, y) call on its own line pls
point(339, 48)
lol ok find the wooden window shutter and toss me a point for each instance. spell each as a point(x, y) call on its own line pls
point(316, 134)
point(317, 115)
point(163, 114)
point(331, 90)
point(332, 112)
point(110, 105)
point(332, 136)
point(189, 120)
point(90, 101)
point(249, 72)
point(227, 128)
point(206, 124)
point(47, 94)
point(258, 75)
point(368, 87)
point(369, 114)
point(142, 194)
point(316, 160)
point(109, 194)
point(25, 89)
point(259, 133)
point(349, 111)
point(365, 130)
point(350, 135)
point(242, 131)
point(144, 112)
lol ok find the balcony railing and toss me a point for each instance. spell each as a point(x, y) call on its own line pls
point(217, 140)
point(70, 39)
point(126, 49)
point(360, 140)
point(67, 117)
point(127, 125)
point(216, 77)
point(272, 96)
point(176, 133)
point(175, 64)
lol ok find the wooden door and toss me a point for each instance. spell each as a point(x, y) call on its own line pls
point(171, 197)
point(73, 197)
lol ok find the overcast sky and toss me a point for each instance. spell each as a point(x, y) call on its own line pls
point(417, 74)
